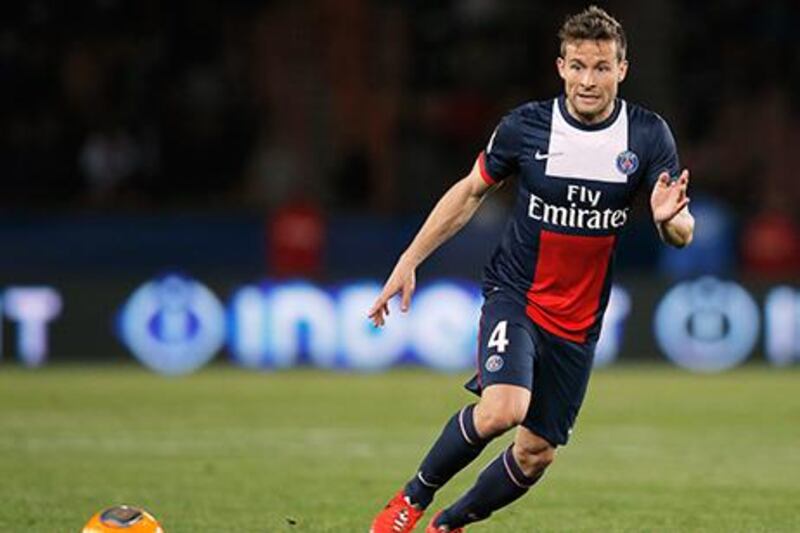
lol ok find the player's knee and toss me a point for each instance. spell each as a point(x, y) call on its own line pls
point(501, 408)
point(491, 422)
point(533, 458)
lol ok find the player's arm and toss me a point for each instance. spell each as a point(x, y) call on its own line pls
point(451, 213)
point(670, 207)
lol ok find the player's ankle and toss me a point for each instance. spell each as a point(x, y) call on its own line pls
point(418, 494)
point(440, 523)
point(417, 506)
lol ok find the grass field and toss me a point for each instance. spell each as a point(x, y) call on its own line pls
point(655, 449)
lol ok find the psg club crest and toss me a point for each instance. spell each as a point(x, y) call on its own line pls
point(494, 363)
point(627, 162)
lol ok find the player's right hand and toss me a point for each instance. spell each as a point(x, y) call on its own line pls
point(402, 281)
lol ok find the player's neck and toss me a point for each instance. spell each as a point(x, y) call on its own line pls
point(591, 120)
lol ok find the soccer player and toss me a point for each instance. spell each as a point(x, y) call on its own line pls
point(579, 159)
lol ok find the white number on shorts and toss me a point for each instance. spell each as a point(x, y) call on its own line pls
point(499, 338)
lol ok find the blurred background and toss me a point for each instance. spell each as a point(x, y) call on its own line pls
point(187, 179)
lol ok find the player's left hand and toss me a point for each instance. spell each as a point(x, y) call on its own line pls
point(669, 197)
point(402, 281)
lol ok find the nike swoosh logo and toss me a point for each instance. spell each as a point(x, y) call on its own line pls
point(540, 156)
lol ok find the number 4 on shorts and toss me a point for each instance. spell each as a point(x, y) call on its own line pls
point(499, 337)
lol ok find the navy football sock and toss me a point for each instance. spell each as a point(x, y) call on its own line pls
point(457, 446)
point(498, 485)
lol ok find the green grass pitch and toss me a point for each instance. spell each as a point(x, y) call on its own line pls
point(228, 450)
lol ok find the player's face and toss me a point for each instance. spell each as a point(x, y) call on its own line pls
point(591, 73)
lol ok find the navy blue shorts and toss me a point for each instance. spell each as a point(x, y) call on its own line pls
point(514, 350)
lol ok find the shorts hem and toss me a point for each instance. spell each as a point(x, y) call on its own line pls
point(477, 387)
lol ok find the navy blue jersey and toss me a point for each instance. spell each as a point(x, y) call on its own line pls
point(576, 185)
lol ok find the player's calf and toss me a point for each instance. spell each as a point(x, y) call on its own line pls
point(499, 484)
point(458, 445)
point(503, 481)
point(464, 437)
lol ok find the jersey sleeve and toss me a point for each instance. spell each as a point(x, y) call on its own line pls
point(500, 158)
point(664, 152)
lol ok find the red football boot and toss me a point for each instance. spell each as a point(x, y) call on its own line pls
point(399, 516)
point(441, 529)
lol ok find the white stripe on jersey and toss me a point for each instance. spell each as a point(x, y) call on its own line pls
point(491, 141)
point(587, 155)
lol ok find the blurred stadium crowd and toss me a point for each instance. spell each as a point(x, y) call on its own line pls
point(372, 106)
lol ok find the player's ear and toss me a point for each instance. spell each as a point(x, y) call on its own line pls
point(560, 64)
point(623, 70)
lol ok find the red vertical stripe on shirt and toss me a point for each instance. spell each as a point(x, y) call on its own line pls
point(564, 296)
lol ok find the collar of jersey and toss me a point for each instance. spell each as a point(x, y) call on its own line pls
point(575, 123)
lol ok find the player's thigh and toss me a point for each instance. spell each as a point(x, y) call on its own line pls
point(505, 345)
point(562, 371)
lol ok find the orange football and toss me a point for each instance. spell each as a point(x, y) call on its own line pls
point(123, 518)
